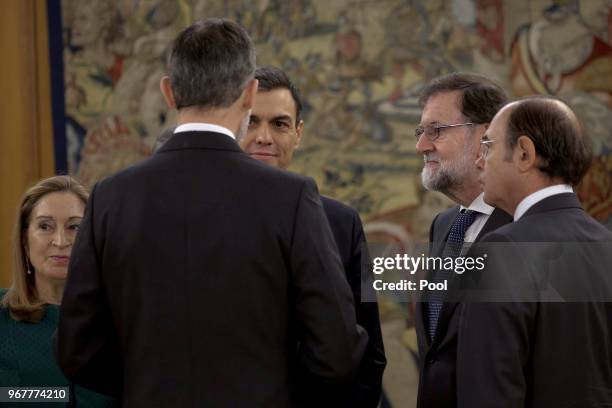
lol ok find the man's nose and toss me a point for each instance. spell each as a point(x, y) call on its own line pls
point(263, 136)
point(424, 145)
point(480, 162)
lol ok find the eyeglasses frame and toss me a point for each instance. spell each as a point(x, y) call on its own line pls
point(420, 131)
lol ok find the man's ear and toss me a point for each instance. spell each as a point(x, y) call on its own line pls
point(298, 131)
point(166, 90)
point(249, 94)
point(525, 153)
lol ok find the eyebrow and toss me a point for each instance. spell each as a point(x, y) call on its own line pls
point(283, 117)
point(50, 217)
point(433, 122)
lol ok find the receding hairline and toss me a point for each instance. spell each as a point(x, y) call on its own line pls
point(288, 90)
point(455, 81)
point(458, 97)
point(554, 104)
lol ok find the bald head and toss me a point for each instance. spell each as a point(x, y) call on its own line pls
point(557, 134)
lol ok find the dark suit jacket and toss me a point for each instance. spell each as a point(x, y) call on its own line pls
point(438, 359)
point(541, 355)
point(365, 390)
point(192, 276)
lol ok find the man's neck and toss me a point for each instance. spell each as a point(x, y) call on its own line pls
point(464, 196)
point(228, 118)
point(533, 185)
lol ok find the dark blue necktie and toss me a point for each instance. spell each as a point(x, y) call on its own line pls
point(453, 247)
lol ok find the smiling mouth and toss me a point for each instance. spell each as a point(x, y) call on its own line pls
point(264, 154)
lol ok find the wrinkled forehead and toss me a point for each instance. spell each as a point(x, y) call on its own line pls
point(499, 124)
point(58, 206)
point(443, 107)
point(273, 103)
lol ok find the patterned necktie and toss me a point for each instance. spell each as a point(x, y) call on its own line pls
point(453, 247)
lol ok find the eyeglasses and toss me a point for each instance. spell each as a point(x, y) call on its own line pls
point(432, 132)
point(484, 147)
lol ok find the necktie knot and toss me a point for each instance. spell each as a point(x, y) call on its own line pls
point(461, 224)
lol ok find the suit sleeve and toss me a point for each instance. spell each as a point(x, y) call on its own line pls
point(494, 344)
point(86, 347)
point(332, 344)
point(370, 372)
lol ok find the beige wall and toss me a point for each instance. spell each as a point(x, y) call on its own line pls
point(26, 151)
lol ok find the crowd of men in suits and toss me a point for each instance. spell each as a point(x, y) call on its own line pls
point(202, 277)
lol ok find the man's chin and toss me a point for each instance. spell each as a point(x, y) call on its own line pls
point(429, 178)
point(271, 160)
point(489, 199)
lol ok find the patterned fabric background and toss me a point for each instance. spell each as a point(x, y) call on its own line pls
point(360, 65)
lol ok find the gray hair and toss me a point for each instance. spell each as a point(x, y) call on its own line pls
point(210, 63)
point(481, 98)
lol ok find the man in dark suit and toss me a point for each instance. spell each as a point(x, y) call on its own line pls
point(195, 271)
point(275, 131)
point(539, 354)
point(457, 109)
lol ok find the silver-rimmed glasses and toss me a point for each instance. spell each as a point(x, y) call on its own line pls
point(432, 132)
point(484, 147)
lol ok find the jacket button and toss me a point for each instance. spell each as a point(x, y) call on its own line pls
point(431, 360)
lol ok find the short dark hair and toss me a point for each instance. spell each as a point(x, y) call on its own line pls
point(557, 134)
point(210, 63)
point(481, 97)
point(271, 78)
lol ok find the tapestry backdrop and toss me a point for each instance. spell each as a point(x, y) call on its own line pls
point(359, 65)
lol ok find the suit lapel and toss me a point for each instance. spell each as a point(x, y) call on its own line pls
point(497, 219)
point(439, 233)
point(442, 230)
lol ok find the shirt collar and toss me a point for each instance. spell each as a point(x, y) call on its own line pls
point(479, 206)
point(538, 196)
point(204, 127)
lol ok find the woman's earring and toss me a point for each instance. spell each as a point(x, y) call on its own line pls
point(28, 270)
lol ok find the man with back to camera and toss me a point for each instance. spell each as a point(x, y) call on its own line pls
point(540, 354)
point(457, 109)
point(275, 131)
point(195, 271)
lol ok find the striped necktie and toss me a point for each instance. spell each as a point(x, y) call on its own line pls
point(453, 247)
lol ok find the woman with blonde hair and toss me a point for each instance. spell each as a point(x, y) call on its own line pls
point(48, 219)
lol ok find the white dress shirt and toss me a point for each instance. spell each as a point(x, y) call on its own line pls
point(538, 196)
point(484, 210)
point(204, 127)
